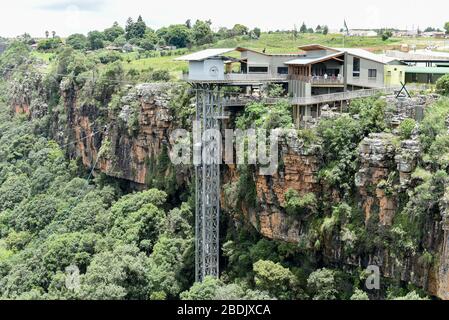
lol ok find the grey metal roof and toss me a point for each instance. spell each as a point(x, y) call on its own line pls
point(306, 61)
point(365, 54)
point(205, 54)
point(419, 55)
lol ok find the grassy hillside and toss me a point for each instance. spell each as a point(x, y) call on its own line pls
point(271, 42)
point(284, 43)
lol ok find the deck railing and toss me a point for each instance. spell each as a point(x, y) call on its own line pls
point(238, 77)
point(318, 80)
point(342, 96)
point(234, 101)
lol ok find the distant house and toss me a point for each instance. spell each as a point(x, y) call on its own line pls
point(166, 48)
point(434, 34)
point(363, 33)
point(128, 47)
point(405, 33)
point(114, 48)
point(34, 46)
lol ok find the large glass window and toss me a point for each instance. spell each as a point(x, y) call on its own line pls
point(372, 73)
point(283, 70)
point(356, 67)
point(258, 69)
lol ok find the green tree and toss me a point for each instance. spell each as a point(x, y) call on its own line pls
point(135, 30)
point(303, 28)
point(256, 32)
point(112, 33)
point(115, 275)
point(205, 290)
point(240, 30)
point(275, 279)
point(359, 295)
point(442, 85)
point(202, 33)
point(321, 285)
point(77, 41)
point(13, 191)
point(49, 44)
point(167, 265)
point(446, 27)
point(95, 40)
point(176, 35)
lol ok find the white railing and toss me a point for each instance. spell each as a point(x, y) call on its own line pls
point(342, 96)
point(243, 101)
point(319, 99)
point(318, 80)
point(238, 77)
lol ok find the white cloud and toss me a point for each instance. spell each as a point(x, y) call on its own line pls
point(70, 16)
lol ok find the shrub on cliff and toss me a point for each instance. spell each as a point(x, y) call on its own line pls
point(442, 85)
point(340, 138)
point(406, 128)
point(434, 122)
point(299, 206)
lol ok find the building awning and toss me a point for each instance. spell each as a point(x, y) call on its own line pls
point(205, 54)
point(314, 60)
point(315, 47)
point(427, 70)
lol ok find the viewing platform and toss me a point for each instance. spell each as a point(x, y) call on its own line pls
point(241, 101)
point(237, 78)
point(319, 80)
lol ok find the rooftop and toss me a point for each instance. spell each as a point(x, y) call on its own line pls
point(306, 61)
point(205, 54)
point(428, 70)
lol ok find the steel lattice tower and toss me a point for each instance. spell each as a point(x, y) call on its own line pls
point(209, 111)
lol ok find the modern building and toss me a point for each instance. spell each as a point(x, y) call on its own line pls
point(422, 66)
point(314, 76)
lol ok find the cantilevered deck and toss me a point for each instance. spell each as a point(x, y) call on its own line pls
point(238, 79)
point(241, 101)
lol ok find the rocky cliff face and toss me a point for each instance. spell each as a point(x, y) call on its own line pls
point(123, 144)
point(126, 141)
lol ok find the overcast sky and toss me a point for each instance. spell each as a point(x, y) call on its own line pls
point(80, 16)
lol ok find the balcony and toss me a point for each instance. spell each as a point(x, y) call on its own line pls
point(318, 80)
point(242, 78)
point(341, 96)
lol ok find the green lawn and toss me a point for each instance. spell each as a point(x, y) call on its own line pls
point(272, 42)
point(44, 56)
point(284, 42)
point(155, 63)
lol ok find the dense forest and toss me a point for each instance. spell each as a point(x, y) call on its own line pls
point(70, 231)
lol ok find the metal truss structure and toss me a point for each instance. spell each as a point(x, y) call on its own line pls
point(209, 112)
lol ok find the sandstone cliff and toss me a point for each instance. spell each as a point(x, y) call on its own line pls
point(127, 141)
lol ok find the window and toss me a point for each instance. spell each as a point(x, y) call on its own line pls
point(258, 69)
point(356, 67)
point(283, 70)
point(372, 73)
point(388, 73)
